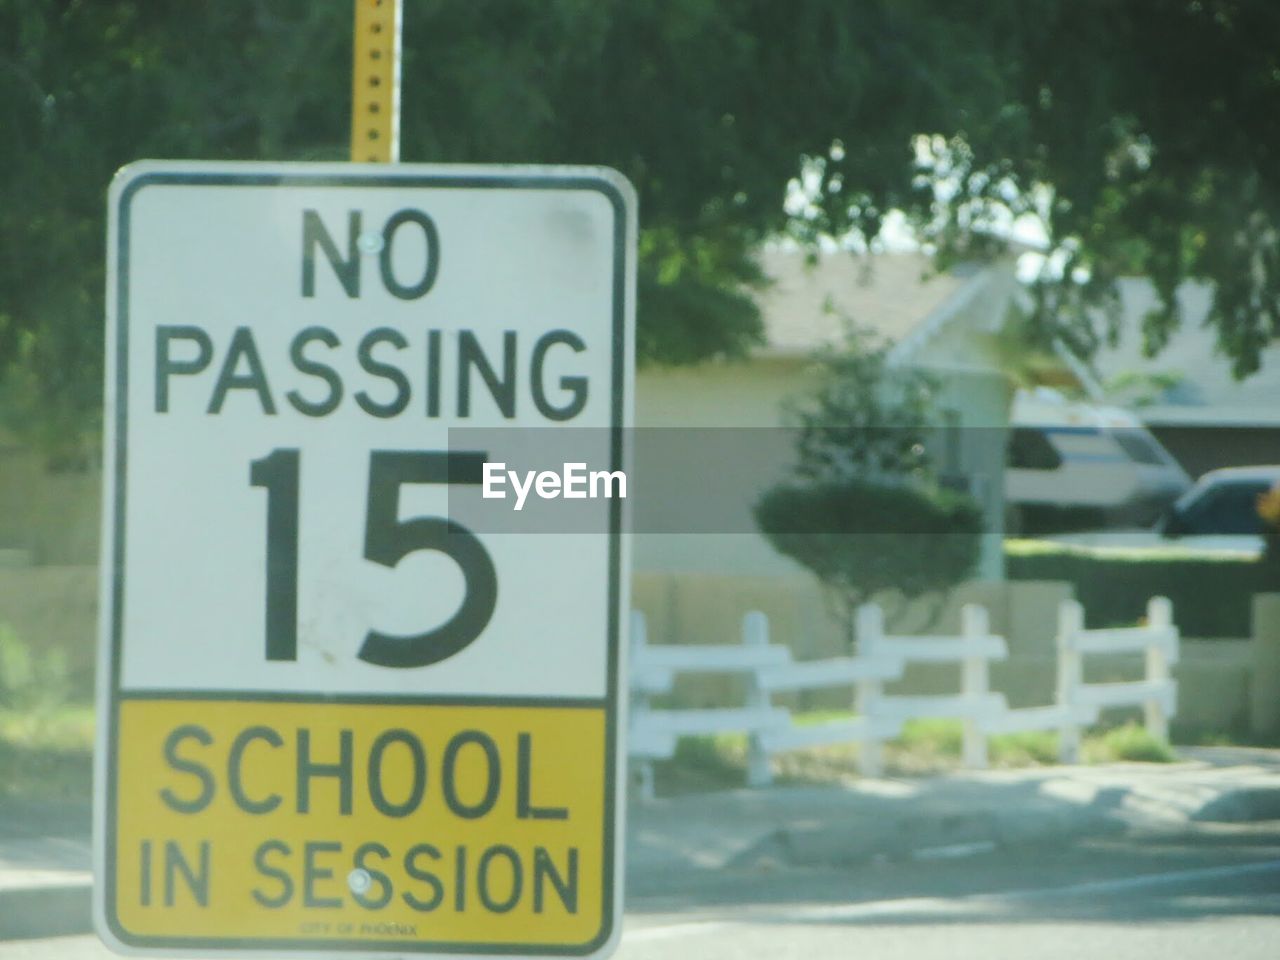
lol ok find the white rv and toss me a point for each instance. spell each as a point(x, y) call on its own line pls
point(1075, 466)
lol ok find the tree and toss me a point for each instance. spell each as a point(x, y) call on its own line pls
point(1142, 133)
point(1156, 153)
point(863, 418)
point(864, 512)
point(866, 540)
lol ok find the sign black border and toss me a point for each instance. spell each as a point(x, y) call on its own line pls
point(299, 178)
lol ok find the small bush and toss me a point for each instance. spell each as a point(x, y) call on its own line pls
point(1026, 749)
point(932, 738)
point(30, 683)
point(711, 751)
point(943, 739)
point(926, 746)
point(1129, 743)
point(703, 763)
point(861, 538)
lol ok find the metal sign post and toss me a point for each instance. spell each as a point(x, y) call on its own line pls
point(375, 82)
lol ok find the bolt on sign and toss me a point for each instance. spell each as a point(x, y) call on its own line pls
point(332, 719)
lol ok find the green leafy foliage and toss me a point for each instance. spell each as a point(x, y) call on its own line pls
point(1142, 135)
point(863, 418)
point(1211, 593)
point(924, 747)
point(1142, 388)
point(30, 682)
point(862, 538)
point(863, 513)
point(1130, 743)
point(47, 757)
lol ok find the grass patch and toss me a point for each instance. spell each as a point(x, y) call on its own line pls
point(47, 754)
point(1129, 743)
point(1031, 748)
point(940, 738)
point(62, 728)
point(701, 764)
point(1172, 551)
point(46, 743)
point(925, 747)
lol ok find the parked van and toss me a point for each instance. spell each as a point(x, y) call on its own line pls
point(1076, 466)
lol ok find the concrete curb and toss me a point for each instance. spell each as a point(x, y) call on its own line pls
point(46, 909)
point(936, 818)
point(921, 836)
point(927, 834)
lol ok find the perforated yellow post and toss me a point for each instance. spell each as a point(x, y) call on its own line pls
point(375, 82)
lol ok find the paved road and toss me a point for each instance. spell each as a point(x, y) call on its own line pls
point(1204, 896)
point(1210, 894)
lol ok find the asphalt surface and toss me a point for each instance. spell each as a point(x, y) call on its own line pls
point(1211, 892)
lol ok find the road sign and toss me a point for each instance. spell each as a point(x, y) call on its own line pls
point(333, 718)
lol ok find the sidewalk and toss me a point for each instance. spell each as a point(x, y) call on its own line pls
point(934, 817)
point(45, 853)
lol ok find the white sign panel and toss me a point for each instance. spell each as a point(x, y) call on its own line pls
point(336, 719)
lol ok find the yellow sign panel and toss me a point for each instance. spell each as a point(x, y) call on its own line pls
point(305, 824)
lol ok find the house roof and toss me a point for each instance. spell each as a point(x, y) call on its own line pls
point(808, 305)
point(1207, 393)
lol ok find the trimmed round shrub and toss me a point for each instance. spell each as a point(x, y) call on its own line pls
point(861, 537)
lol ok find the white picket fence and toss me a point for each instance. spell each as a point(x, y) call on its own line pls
point(769, 668)
point(1157, 693)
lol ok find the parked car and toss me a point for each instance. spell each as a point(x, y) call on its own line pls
point(1219, 513)
point(1222, 503)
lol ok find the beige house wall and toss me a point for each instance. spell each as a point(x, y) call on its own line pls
point(746, 394)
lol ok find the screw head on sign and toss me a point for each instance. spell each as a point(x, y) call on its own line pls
point(359, 881)
point(370, 243)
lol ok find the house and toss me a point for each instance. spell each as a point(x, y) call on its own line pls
point(709, 478)
point(1186, 395)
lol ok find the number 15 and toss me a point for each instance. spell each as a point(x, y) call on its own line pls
point(387, 541)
